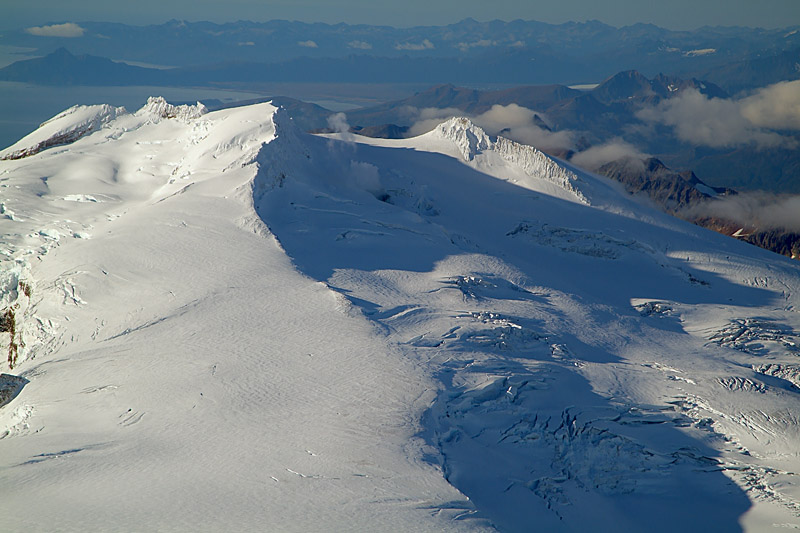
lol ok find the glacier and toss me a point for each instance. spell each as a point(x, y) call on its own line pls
point(220, 321)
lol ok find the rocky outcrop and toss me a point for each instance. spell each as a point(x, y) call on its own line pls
point(158, 107)
point(672, 191)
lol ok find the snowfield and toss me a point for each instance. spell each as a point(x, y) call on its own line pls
point(215, 321)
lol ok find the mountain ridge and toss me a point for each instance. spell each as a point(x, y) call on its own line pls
point(228, 318)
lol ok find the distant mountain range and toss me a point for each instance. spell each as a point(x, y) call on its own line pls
point(63, 68)
point(620, 95)
point(672, 191)
point(516, 52)
point(756, 71)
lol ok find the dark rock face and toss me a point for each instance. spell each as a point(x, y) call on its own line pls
point(384, 131)
point(623, 86)
point(678, 193)
point(58, 140)
point(10, 387)
point(633, 86)
point(672, 191)
point(777, 240)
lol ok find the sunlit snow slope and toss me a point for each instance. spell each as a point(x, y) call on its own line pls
point(220, 322)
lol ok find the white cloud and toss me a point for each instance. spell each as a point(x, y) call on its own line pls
point(597, 156)
point(424, 45)
point(700, 52)
point(755, 209)
point(430, 117)
point(501, 117)
point(483, 43)
point(360, 45)
point(307, 44)
point(519, 124)
point(725, 123)
point(68, 29)
point(774, 107)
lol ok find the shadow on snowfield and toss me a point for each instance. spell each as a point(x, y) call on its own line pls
point(498, 291)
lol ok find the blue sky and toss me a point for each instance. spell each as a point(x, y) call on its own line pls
point(676, 14)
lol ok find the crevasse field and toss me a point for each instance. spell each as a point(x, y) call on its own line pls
point(222, 323)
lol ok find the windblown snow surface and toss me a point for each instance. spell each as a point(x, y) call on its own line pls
point(222, 323)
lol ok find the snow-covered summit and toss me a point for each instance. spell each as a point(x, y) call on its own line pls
point(216, 319)
point(472, 141)
point(64, 128)
point(158, 107)
point(81, 120)
point(469, 138)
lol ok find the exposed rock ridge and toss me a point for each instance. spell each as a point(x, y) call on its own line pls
point(158, 107)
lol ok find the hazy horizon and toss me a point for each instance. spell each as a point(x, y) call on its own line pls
point(677, 15)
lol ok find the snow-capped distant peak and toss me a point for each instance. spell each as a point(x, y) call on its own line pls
point(64, 128)
point(469, 138)
point(471, 141)
point(158, 107)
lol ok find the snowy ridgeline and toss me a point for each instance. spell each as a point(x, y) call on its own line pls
point(218, 321)
point(80, 120)
point(472, 140)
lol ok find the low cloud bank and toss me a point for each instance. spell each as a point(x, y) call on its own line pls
point(430, 117)
point(483, 43)
point(596, 156)
point(776, 106)
point(68, 29)
point(360, 45)
point(416, 47)
point(762, 119)
point(761, 210)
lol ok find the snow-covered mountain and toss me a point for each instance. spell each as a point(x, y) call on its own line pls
point(216, 321)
